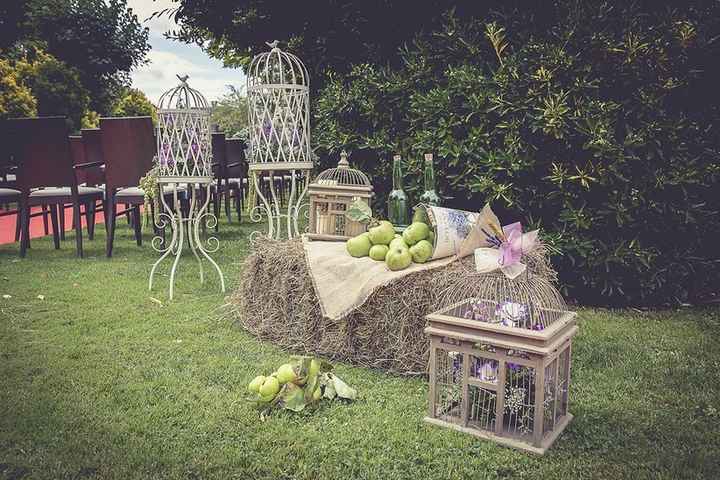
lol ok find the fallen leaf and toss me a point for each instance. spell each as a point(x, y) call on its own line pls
point(155, 300)
point(41, 297)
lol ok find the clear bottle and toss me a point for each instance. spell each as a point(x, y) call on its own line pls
point(430, 196)
point(398, 212)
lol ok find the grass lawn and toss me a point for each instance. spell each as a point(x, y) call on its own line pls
point(99, 381)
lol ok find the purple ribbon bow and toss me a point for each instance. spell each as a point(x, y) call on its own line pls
point(511, 247)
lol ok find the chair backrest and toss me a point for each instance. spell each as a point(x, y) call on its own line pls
point(41, 148)
point(78, 154)
point(92, 144)
point(128, 148)
point(235, 151)
point(219, 154)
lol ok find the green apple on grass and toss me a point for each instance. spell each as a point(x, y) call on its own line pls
point(270, 387)
point(256, 383)
point(286, 374)
point(359, 246)
point(378, 252)
point(398, 258)
point(421, 251)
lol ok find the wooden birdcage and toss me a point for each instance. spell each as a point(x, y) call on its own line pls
point(331, 194)
point(500, 362)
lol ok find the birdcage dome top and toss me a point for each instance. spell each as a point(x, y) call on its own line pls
point(528, 301)
point(343, 175)
point(277, 68)
point(182, 97)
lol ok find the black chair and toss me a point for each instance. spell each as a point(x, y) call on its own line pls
point(236, 173)
point(46, 174)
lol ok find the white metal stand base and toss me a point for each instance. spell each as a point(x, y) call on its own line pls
point(272, 208)
point(180, 226)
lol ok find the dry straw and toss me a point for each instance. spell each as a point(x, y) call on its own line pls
point(276, 301)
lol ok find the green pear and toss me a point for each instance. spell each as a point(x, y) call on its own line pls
point(270, 387)
point(398, 258)
point(256, 383)
point(317, 394)
point(359, 246)
point(415, 232)
point(421, 251)
point(314, 369)
point(382, 234)
point(398, 242)
point(378, 252)
point(420, 215)
point(286, 373)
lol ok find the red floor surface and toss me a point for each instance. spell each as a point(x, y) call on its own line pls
point(7, 225)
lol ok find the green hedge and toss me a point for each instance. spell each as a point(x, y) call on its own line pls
point(597, 124)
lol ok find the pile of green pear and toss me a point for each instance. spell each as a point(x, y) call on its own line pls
point(297, 384)
point(381, 243)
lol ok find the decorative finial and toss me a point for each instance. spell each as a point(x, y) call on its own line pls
point(272, 44)
point(343, 163)
point(183, 79)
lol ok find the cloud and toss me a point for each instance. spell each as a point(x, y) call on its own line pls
point(145, 8)
point(168, 58)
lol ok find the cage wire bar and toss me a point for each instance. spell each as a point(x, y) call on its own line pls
point(279, 140)
point(184, 162)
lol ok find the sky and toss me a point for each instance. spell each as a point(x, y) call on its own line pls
point(168, 58)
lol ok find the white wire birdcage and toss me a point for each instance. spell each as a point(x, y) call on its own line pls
point(183, 135)
point(184, 161)
point(278, 108)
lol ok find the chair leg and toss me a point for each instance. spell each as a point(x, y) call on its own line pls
point(227, 193)
point(90, 219)
point(45, 219)
point(216, 206)
point(78, 228)
point(18, 224)
point(241, 194)
point(110, 226)
point(55, 228)
point(237, 204)
point(62, 221)
point(24, 212)
point(137, 225)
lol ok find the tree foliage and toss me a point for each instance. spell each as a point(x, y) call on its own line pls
point(102, 41)
point(328, 35)
point(230, 113)
point(595, 127)
point(16, 98)
point(133, 103)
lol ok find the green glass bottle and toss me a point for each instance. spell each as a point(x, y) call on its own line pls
point(430, 196)
point(398, 212)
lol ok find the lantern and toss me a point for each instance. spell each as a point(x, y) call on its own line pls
point(279, 140)
point(184, 168)
point(500, 362)
point(331, 193)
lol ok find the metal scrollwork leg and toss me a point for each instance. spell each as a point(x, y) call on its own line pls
point(173, 217)
point(274, 212)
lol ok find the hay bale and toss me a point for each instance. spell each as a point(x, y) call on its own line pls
point(276, 301)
